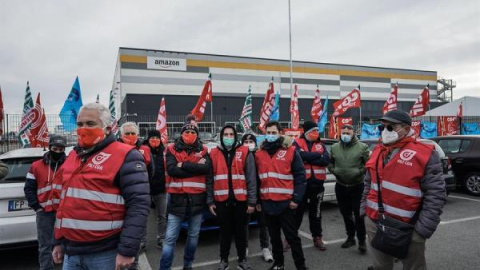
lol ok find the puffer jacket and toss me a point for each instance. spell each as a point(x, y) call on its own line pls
point(347, 162)
point(434, 197)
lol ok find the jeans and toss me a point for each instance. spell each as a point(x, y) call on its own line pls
point(104, 260)
point(45, 225)
point(348, 199)
point(160, 201)
point(174, 224)
point(232, 217)
point(314, 196)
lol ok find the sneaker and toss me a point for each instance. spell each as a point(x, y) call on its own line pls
point(223, 265)
point(318, 243)
point(243, 265)
point(350, 242)
point(286, 246)
point(362, 246)
point(277, 267)
point(267, 255)
point(159, 243)
point(143, 247)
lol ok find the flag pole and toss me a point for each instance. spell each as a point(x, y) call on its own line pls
point(211, 117)
point(360, 122)
point(290, 43)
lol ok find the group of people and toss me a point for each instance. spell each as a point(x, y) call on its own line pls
point(92, 205)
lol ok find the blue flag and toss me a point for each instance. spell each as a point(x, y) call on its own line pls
point(428, 130)
point(470, 129)
point(276, 108)
point(322, 121)
point(370, 131)
point(69, 112)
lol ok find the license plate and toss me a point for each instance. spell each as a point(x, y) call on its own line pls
point(17, 205)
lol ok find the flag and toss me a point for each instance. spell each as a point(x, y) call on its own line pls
point(416, 126)
point(246, 117)
point(1, 112)
point(71, 107)
point(448, 125)
point(428, 130)
point(98, 99)
point(267, 106)
point(469, 129)
point(275, 115)
point(205, 97)
point(316, 110)
point(162, 122)
point(323, 116)
point(24, 130)
point(391, 103)
point(420, 107)
point(370, 131)
point(111, 107)
point(460, 110)
point(38, 129)
point(294, 109)
point(352, 100)
point(336, 124)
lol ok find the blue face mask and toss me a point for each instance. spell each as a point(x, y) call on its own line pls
point(346, 138)
point(271, 137)
point(228, 142)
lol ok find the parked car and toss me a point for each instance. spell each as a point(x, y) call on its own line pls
point(464, 153)
point(17, 220)
point(448, 175)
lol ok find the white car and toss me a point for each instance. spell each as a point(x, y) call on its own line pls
point(17, 220)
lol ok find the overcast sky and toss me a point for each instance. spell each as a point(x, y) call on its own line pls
point(50, 42)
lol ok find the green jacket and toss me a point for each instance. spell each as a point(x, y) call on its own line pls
point(347, 162)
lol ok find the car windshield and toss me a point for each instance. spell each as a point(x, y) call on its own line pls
point(17, 169)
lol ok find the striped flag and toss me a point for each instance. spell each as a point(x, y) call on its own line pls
point(391, 103)
point(162, 122)
point(267, 107)
point(294, 109)
point(316, 110)
point(246, 117)
point(111, 107)
point(205, 97)
point(27, 117)
point(38, 129)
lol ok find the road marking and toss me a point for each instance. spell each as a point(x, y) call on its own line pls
point(463, 198)
point(459, 220)
point(143, 263)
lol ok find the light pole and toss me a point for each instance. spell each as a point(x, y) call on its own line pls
point(290, 45)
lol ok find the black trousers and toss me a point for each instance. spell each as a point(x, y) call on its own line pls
point(232, 217)
point(286, 222)
point(262, 226)
point(348, 199)
point(314, 196)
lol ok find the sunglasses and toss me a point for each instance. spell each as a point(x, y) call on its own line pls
point(388, 127)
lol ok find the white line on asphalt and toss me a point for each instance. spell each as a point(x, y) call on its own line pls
point(143, 262)
point(459, 220)
point(463, 198)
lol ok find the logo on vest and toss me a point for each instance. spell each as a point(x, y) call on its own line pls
point(238, 155)
point(405, 157)
point(142, 151)
point(319, 147)
point(281, 155)
point(97, 160)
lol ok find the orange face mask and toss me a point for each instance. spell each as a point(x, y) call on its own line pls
point(189, 138)
point(88, 137)
point(312, 136)
point(154, 142)
point(130, 139)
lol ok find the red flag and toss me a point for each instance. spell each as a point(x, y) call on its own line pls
point(294, 109)
point(420, 107)
point(416, 127)
point(205, 97)
point(38, 129)
point(336, 124)
point(317, 107)
point(267, 107)
point(162, 122)
point(1, 113)
point(448, 125)
point(391, 103)
point(114, 126)
point(352, 100)
point(459, 111)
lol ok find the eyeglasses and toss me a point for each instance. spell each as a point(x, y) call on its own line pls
point(388, 127)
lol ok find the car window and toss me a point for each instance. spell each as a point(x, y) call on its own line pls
point(450, 146)
point(17, 169)
point(465, 145)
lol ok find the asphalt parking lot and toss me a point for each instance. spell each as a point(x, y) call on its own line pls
point(455, 245)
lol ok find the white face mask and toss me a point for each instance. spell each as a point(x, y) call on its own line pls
point(251, 146)
point(389, 137)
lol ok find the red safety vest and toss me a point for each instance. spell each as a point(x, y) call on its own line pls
point(44, 176)
point(400, 181)
point(319, 172)
point(276, 179)
point(189, 185)
point(221, 175)
point(146, 153)
point(91, 206)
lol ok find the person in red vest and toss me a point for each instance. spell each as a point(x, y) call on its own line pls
point(39, 185)
point(315, 158)
point(129, 135)
point(232, 193)
point(104, 201)
point(412, 188)
point(282, 187)
point(188, 164)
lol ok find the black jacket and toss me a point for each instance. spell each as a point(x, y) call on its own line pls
point(313, 158)
point(186, 204)
point(157, 179)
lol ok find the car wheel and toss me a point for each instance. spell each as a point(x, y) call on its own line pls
point(472, 183)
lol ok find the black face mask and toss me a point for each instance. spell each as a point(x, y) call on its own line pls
point(56, 156)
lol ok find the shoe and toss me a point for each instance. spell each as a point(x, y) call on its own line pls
point(246, 252)
point(277, 267)
point(318, 243)
point(286, 246)
point(143, 247)
point(187, 268)
point(350, 242)
point(371, 268)
point(243, 265)
point(267, 255)
point(223, 265)
point(159, 243)
point(362, 246)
